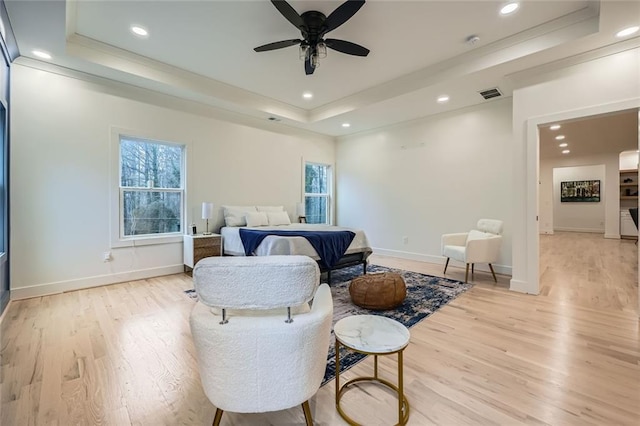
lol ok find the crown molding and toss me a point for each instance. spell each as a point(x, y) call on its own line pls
point(159, 98)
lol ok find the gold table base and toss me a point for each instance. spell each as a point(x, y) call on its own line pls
point(403, 403)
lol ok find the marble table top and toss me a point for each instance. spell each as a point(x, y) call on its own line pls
point(372, 333)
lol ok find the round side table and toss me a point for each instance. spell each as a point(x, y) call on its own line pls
point(372, 335)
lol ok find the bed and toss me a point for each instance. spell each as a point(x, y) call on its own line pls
point(356, 253)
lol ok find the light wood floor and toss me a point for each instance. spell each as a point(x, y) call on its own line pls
point(122, 354)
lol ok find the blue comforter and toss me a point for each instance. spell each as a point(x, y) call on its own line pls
point(330, 245)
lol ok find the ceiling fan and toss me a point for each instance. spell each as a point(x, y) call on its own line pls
point(314, 25)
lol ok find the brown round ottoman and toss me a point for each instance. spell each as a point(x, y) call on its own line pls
point(379, 291)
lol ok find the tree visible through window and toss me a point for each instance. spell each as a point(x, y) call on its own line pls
point(151, 187)
point(317, 188)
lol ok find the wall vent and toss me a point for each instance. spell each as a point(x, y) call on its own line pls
point(491, 93)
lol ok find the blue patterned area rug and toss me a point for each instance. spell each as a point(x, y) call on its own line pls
point(425, 295)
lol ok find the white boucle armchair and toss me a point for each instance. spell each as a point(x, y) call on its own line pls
point(481, 245)
point(260, 347)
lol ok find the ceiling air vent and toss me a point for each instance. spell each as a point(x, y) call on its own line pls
point(491, 93)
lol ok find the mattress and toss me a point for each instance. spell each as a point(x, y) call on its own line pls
point(277, 245)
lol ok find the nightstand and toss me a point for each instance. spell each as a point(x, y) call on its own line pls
point(198, 247)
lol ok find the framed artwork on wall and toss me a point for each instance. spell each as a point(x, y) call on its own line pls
point(580, 191)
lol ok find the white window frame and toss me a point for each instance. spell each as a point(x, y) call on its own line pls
point(118, 239)
point(327, 195)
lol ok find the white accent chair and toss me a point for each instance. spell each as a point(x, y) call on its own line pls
point(259, 346)
point(481, 245)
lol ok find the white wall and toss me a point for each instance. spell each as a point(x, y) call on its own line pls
point(610, 202)
point(629, 160)
point(579, 217)
point(60, 176)
point(428, 177)
point(612, 83)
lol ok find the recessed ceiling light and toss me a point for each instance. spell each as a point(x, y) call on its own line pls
point(509, 8)
point(442, 99)
point(554, 127)
point(137, 30)
point(628, 31)
point(346, 125)
point(307, 95)
point(41, 54)
point(565, 151)
point(559, 137)
point(563, 145)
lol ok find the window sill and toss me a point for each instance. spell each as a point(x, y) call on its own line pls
point(147, 241)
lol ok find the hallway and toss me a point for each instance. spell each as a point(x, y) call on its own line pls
point(588, 270)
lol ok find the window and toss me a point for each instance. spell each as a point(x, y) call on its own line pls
point(151, 188)
point(317, 193)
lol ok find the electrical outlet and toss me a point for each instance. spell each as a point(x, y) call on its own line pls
point(106, 256)
point(405, 240)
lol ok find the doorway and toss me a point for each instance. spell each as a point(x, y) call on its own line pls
point(600, 146)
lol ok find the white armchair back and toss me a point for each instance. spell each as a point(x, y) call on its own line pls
point(257, 361)
point(491, 226)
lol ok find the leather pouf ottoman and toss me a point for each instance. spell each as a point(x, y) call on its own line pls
point(379, 291)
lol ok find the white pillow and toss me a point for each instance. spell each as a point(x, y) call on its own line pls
point(234, 215)
point(270, 208)
point(257, 219)
point(278, 218)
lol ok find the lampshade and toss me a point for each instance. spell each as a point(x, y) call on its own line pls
point(300, 209)
point(207, 210)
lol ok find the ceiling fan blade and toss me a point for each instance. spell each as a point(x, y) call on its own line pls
point(308, 66)
point(346, 47)
point(342, 14)
point(289, 12)
point(277, 45)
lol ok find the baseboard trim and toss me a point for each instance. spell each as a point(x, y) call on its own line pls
point(588, 230)
point(39, 290)
point(409, 255)
point(439, 260)
point(612, 236)
point(520, 287)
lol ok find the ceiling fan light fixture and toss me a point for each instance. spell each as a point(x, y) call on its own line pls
point(315, 60)
point(321, 48)
point(303, 52)
point(313, 26)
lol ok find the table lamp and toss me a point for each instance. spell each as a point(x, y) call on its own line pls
point(207, 213)
point(300, 210)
